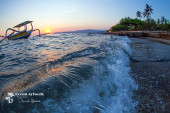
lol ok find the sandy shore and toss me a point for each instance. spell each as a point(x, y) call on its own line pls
point(151, 74)
point(164, 41)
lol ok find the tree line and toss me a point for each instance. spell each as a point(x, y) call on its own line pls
point(150, 24)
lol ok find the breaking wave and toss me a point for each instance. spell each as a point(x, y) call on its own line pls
point(87, 74)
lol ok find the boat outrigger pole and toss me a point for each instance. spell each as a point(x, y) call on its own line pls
point(17, 34)
point(38, 31)
point(3, 38)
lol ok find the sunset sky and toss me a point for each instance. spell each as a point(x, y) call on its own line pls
point(68, 15)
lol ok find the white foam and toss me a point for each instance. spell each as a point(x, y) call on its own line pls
point(109, 90)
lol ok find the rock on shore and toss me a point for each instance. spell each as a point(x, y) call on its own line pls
point(156, 34)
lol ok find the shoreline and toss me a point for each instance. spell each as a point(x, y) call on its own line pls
point(152, 77)
point(153, 34)
point(160, 40)
point(159, 36)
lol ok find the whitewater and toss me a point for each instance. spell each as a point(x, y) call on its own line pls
point(76, 73)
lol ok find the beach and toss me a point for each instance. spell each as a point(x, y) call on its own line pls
point(151, 74)
point(78, 72)
point(85, 56)
point(160, 40)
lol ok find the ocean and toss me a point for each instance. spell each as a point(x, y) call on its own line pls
point(67, 73)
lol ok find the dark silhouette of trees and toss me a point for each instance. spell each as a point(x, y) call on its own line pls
point(138, 14)
point(128, 23)
point(158, 21)
point(162, 20)
point(148, 11)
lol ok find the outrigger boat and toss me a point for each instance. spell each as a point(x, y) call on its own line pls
point(17, 34)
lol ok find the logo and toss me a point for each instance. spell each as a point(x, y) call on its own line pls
point(23, 97)
point(9, 97)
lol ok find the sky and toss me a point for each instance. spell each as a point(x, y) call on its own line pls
point(70, 15)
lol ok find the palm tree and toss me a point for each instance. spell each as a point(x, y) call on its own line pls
point(162, 19)
point(158, 21)
point(138, 14)
point(148, 11)
point(165, 21)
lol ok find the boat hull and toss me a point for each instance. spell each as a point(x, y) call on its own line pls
point(19, 36)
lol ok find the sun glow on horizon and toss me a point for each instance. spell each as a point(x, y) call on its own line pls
point(48, 31)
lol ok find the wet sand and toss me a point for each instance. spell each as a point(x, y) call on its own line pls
point(152, 74)
point(164, 41)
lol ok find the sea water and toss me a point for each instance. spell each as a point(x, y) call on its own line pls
point(66, 73)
